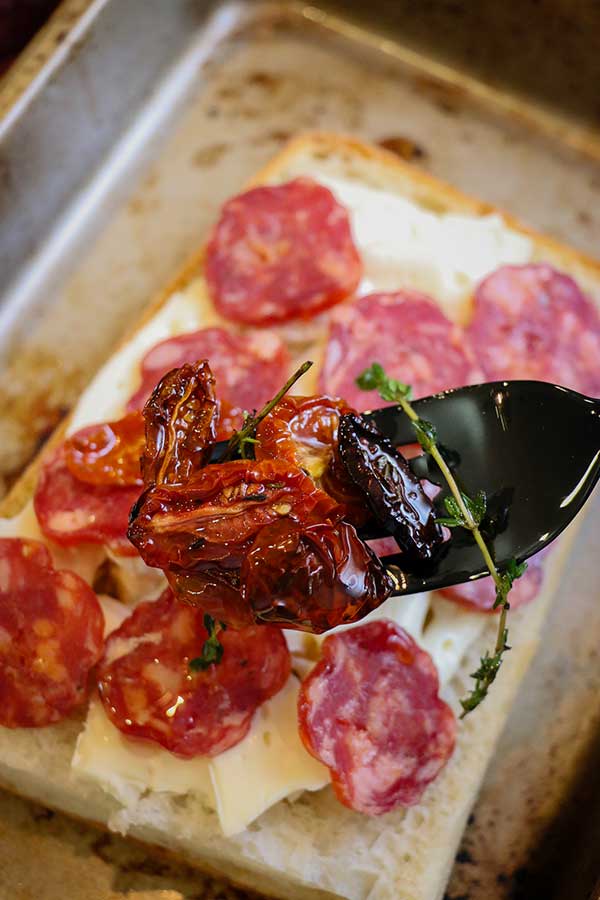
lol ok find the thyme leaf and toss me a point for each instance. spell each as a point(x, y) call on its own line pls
point(212, 649)
point(240, 440)
point(463, 512)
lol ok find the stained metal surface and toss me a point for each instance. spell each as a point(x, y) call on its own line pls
point(111, 171)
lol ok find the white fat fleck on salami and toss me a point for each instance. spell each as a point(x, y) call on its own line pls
point(119, 646)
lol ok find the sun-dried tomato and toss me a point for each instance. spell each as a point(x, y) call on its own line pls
point(108, 453)
point(395, 496)
point(181, 418)
point(304, 430)
point(313, 577)
point(217, 514)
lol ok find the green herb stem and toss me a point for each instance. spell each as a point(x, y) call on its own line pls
point(246, 435)
point(397, 392)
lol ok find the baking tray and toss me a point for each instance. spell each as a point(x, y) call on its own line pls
point(120, 139)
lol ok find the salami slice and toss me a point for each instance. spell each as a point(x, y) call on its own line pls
point(370, 712)
point(534, 322)
point(72, 512)
point(149, 690)
point(408, 335)
point(249, 369)
point(280, 253)
point(481, 594)
point(51, 634)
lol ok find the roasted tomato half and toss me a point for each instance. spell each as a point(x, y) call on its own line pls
point(181, 419)
point(313, 577)
point(304, 431)
point(215, 589)
point(108, 453)
point(217, 514)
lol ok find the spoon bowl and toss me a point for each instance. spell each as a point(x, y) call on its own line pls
point(532, 447)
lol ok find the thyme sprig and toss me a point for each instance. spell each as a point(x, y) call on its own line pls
point(212, 648)
point(463, 512)
point(240, 440)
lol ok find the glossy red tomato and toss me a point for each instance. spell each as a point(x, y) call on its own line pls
point(304, 431)
point(107, 453)
point(313, 577)
point(181, 418)
point(217, 514)
point(215, 589)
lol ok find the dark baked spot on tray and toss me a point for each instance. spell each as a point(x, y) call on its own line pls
point(449, 98)
point(209, 156)
point(265, 80)
point(404, 147)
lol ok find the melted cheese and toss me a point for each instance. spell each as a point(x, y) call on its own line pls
point(126, 767)
point(450, 632)
point(134, 580)
point(442, 254)
point(269, 765)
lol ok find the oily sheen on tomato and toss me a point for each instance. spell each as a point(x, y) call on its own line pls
point(304, 431)
point(312, 577)
point(217, 514)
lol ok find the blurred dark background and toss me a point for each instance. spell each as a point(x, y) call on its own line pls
point(19, 21)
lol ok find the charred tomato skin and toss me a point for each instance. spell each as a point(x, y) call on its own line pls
point(395, 496)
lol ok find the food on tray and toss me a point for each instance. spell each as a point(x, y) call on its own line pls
point(205, 653)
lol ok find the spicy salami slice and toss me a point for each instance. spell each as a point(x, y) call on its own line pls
point(51, 634)
point(534, 322)
point(249, 369)
point(408, 335)
point(72, 512)
point(281, 252)
point(149, 690)
point(481, 594)
point(370, 712)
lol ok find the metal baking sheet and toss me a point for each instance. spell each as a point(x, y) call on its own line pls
point(114, 163)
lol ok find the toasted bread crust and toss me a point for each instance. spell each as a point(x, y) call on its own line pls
point(445, 809)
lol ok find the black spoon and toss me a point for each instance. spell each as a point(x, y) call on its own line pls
point(533, 447)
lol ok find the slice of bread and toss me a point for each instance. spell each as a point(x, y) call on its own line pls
point(315, 847)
